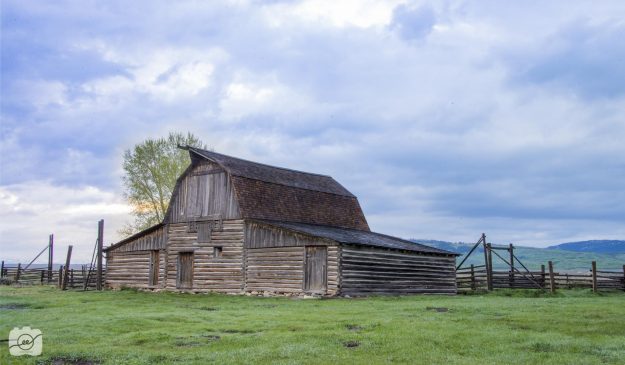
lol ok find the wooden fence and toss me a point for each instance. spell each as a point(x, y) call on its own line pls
point(74, 278)
point(477, 278)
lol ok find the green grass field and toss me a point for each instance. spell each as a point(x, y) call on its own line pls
point(128, 327)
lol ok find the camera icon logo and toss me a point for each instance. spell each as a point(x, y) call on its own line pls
point(25, 341)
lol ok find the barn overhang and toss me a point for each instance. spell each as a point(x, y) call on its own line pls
point(355, 237)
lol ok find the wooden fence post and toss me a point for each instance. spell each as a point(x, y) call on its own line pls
point(60, 276)
point(623, 277)
point(552, 280)
point(473, 277)
point(594, 276)
point(42, 275)
point(2, 269)
point(511, 249)
point(50, 256)
point(17, 273)
point(100, 245)
point(66, 271)
point(485, 259)
point(490, 267)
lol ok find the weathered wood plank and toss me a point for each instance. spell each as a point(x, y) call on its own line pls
point(365, 270)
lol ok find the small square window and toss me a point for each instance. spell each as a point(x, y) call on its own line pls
point(204, 230)
point(217, 251)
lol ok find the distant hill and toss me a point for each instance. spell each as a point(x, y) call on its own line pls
point(458, 247)
point(533, 257)
point(598, 246)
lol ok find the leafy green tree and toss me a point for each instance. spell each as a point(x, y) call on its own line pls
point(150, 172)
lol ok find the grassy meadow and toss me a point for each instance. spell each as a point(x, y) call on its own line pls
point(130, 327)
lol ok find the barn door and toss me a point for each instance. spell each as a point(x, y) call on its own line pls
point(315, 272)
point(184, 279)
point(154, 266)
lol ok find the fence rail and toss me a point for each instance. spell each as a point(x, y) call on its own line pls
point(474, 278)
point(76, 278)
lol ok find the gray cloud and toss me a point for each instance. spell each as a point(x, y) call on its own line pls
point(581, 59)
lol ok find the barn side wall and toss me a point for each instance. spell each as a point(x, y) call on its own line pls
point(277, 270)
point(275, 260)
point(221, 274)
point(204, 191)
point(129, 264)
point(281, 270)
point(368, 270)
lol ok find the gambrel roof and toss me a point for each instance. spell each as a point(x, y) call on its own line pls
point(275, 175)
point(275, 193)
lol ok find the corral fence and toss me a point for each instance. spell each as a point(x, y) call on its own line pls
point(478, 277)
point(74, 278)
point(88, 276)
point(518, 276)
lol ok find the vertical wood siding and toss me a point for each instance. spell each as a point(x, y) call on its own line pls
point(221, 274)
point(206, 191)
point(258, 235)
point(155, 240)
point(366, 270)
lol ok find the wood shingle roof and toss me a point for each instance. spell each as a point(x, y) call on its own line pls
point(357, 237)
point(275, 193)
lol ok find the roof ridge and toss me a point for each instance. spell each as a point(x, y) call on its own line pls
point(260, 163)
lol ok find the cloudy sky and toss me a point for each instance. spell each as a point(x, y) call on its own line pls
point(447, 119)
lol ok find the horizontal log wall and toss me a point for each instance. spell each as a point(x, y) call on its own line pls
point(205, 191)
point(334, 253)
point(281, 270)
point(278, 270)
point(129, 269)
point(258, 235)
point(221, 274)
point(367, 270)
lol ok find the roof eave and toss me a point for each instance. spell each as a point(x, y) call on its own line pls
point(134, 237)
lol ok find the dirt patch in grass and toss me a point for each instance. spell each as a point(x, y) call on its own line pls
point(351, 344)
point(438, 309)
point(267, 305)
point(543, 347)
point(72, 361)
point(196, 340)
point(13, 306)
point(239, 331)
point(353, 327)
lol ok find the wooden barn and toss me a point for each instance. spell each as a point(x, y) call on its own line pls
point(236, 226)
